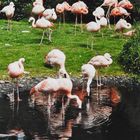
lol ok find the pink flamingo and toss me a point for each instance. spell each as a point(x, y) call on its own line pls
point(60, 11)
point(119, 11)
point(9, 12)
point(100, 61)
point(129, 33)
point(67, 7)
point(99, 12)
point(79, 8)
point(15, 70)
point(57, 58)
point(38, 7)
point(93, 27)
point(42, 23)
point(50, 85)
point(125, 4)
point(61, 8)
point(109, 3)
point(50, 14)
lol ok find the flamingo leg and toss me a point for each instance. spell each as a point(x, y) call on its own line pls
point(64, 17)
point(83, 85)
point(12, 97)
point(107, 16)
point(88, 86)
point(81, 23)
point(100, 81)
point(50, 35)
point(17, 86)
point(8, 25)
point(60, 21)
point(75, 23)
point(97, 77)
point(92, 38)
point(49, 100)
point(63, 109)
point(87, 42)
point(42, 37)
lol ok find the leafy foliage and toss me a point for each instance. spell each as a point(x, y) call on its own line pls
point(129, 58)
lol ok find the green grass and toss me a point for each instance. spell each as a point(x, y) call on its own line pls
point(75, 47)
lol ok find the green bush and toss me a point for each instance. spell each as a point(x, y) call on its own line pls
point(129, 57)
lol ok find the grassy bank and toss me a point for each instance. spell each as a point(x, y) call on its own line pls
point(15, 44)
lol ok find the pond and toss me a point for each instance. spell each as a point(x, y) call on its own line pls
point(112, 113)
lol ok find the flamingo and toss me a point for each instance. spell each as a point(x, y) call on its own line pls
point(50, 14)
point(88, 71)
point(9, 12)
point(55, 85)
point(129, 33)
point(57, 58)
point(122, 24)
point(109, 4)
point(103, 22)
point(100, 61)
point(15, 70)
point(119, 11)
point(38, 7)
point(125, 4)
point(79, 8)
point(61, 8)
point(93, 27)
point(99, 12)
point(67, 7)
point(42, 23)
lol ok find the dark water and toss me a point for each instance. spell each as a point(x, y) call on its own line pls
point(113, 113)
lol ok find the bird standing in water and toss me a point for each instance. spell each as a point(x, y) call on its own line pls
point(15, 70)
point(50, 85)
point(88, 71)
point(100, 61)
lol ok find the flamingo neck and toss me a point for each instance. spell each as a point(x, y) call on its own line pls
point(21, 65)
point(97, 21)
point(33, 23)
point(77, 99)
point(109, 60)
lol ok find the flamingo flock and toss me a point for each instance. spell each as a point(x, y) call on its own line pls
point(56, 57)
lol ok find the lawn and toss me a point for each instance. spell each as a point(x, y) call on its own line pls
point(16, 44)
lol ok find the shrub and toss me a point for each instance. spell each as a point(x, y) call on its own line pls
point(129, 57)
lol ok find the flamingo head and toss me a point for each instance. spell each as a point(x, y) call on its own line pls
point(32, 91)
point(115, 12)
point(12, 4)
point(31, 19)
point(129, 5)
point(84, 11)
point(67, 7)
point(107, 55)
point(22, 60)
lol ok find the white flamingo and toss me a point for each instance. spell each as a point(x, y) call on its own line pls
point(122, 24)
point(88, 71)
point(57, 58)
point(9, 12)
point(50, 14)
